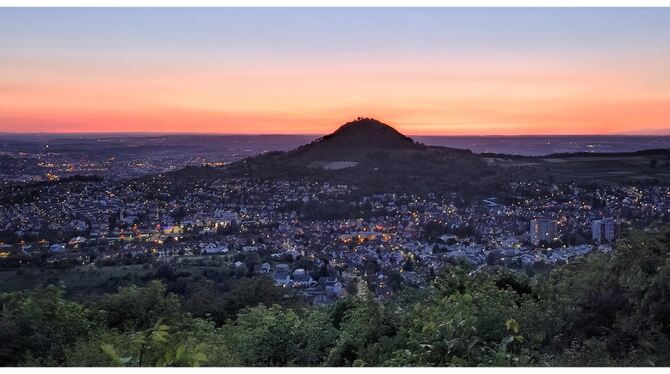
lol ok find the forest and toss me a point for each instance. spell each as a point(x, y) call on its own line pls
point(606, 309)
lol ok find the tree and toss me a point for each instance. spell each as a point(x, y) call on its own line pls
point(252, 259)
point(367, 335)
point(37, 326)
point(408, 265)
point(178, 214)
point(274, 336)
point(134, 308)
point(395, 280)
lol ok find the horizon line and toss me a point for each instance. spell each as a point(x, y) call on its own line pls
point(158, 133)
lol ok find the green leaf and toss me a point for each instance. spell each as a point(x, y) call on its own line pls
point(180, 352)
point(138, 339)
point(512, 325)
point(200, 357)
point(168, 357)
point(160, 337)
point(458, 361)
point(111, 353)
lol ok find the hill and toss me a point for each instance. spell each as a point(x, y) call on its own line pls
point(375, 157)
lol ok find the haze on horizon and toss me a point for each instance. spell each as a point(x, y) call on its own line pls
point(448, 71)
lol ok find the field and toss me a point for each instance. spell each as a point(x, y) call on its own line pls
point(594, 169)
point(84, 278)
point(73, 278)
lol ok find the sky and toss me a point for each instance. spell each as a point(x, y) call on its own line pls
point(446, 71)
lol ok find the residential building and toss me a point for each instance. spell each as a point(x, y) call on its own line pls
point(542, 229)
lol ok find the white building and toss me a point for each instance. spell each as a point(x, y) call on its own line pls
point(542, 229)
point(212, 248)
point(604, 230)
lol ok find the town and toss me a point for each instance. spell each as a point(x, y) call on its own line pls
point(323, 241)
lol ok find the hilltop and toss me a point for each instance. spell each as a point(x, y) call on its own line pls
point(360, 135)
point(354, 141)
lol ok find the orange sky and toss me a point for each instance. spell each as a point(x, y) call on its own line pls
point(59, 88)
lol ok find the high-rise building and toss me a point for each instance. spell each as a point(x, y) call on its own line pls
point(542, 229)
point(604, 230)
